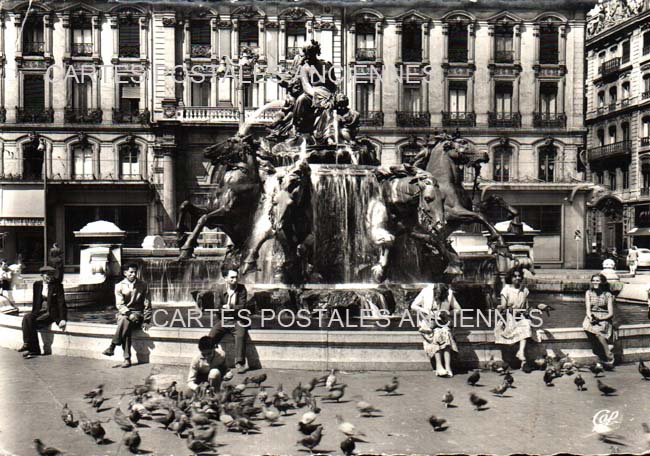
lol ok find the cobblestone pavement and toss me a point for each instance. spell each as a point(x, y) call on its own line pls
point(532, 418)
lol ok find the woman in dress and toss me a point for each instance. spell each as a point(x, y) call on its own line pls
point(514, 325)
point(436, 306)
point(599, 306)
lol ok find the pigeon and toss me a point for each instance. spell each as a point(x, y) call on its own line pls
point(282, 405)
point(67, 416)
point(167, 419)
point(348, 446)
point(644, 371)
point(256, 380)
point(122, 421)
point(497, 365)
point(171, 391)
point(270, 415)
point(132, 441)
point(198, 446)
point(474, 377)
point(262, 395)
point(308, 417)
point(95, 392)
point(98, 400)
point(540, 363)
point(448, 398)
point(477, 401)
point(180, 425)
point(549, 376)
point(509, 379)
point(499, 390)
point(204, 433)
point(579, 382)
point(596, 368)
point(437, 423)
point(311, 385)
point(307, 428)
point(331, 379)
point(545, 308)
point(336, 394)
point(366, 409)
point(97, 431)
point(347, 428)
point(391, 387)
point(312, 440)
point(297, 393)
point(43, 450)
point(605, 389)
point(228, 376)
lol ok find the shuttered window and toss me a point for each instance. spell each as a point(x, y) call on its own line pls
point(129, 39)
point(200, 32)
point(34, 93)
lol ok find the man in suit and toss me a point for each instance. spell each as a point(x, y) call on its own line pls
point(230, 300)
point(48, 291)
point(133, 303)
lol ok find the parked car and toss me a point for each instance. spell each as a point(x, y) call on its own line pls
point(644, 258)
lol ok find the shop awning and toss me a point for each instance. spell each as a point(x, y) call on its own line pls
point(639, 232)
point(21, 205)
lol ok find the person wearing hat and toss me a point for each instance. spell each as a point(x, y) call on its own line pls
point(133, 303)
point(48, 306)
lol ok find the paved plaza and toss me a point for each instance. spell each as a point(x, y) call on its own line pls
point(532, 418)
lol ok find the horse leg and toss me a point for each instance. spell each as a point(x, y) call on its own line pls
point(462, 215)
point(190, 243)
point(186, 209)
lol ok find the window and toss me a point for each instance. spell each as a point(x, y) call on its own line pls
point(200, 39)
point(625, 130)
point(412, 101)
point(613, 96)
point(547, 163)
point(503, 97)
point(613, 51)
point(612, 180)
point(501, 170)
point(600, 178)
point(33, 93)
point(129, 103)
point(645, 127)
point(458, 43)
point(646, 86)
point(503, 43)
point(201, 93)
point(412, 42)
point(296, 38)
point(32, 162)
point(612, 134)
point(33, 37)
point(365, 42)
point(548, 98)
point(625, 90)
point(82, 163)
point(129, 161)
point(82, 95)
point(82, 39)
point(364, 97)
point(548, 44)
point(646, 43)
point(625, 174)
point(458, 96)
point(249, 101)
point(129, 39)
point(601, 99)
point(625, 57)
point(248, 35)
point(600, 134)
point(546, 219)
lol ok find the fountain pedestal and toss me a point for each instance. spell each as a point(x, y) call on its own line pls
point(101, 251)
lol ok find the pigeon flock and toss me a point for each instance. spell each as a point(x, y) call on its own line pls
point(251, 405)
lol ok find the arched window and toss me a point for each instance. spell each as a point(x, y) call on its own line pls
point(549, 43)
point(33, 35)
point(547, 156)
point(601, 99)
point(645, 127)
point(613, 96)
point(502, 160)
point(458, 45)
point(130, 161)
point(612, 134)
point(82, 162)
point(645, 174)
point(128, 33)
point(600, 134)
point(646, 86)
point(32, 161)
point(625, 129)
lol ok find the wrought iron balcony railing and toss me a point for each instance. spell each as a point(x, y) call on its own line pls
point(201, 50)
point(549, 120)
point(365, 54)
point(645, 142)
point(504, 119)
point(34, 115)
point(34, 48)
point(411, 55)
point(129, 50)
point(371, 118)
point(458, 119)
point(457, 55)
point(82, 49)
point(616, 149)
point(141, 116)
point(645, 95)
point(609, 67)
point(504, 56)
point(91, 116)
point(413, 118)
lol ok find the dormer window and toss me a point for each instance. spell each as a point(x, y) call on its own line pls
point(549, 44)
point(504, 44)
point(33, 36)
point(366, 50)
point(412, 42)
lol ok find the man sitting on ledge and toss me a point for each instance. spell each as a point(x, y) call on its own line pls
point(207, 366)
point(134, 311)
point(49, 290)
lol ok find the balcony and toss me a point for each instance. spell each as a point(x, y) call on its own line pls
point(411, 55)
point(82, 49)
point(616, 149)
point(292, 52)
point(645, 95)
point(504, 57)
point(201, 50)
point(458, 119)
point(413, 119)
point(34, 48)
point(129, 50)
point(504, 119)
point(645, 142)
point(457, 56)
point(141, 116)
point(365, 54)
point(609, 67)
point(549, 120)
point(86, 116)
point(34, 115)
point(371, 118)
point(222, 115)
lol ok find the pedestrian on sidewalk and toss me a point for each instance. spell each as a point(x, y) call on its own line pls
point(6, 282)
point(598, 323)
point(632, 258)
point(47, 292)
point(133, 303)
point(208, 366)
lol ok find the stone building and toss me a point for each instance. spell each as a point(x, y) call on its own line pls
point(115, 102)
point(618, 123)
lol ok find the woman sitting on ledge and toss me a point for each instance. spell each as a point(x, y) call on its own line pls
point(437, 305)
point(514, 325)
point(599, 306)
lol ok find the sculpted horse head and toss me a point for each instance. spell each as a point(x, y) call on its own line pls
point(294, 189)
point(233, 150)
